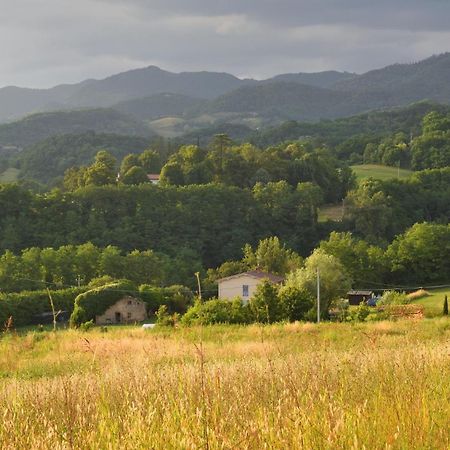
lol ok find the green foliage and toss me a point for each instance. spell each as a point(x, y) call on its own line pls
point(96, 301)
point(84, 264)
point(334, 280)
point(432, 149)
point(86, 326)
point(245, 165)
point(48, 160)
point(421, 254)
point(271, 256)
point(218, 311)
point(295, 302)
point(25, 307)
point(175, 298)
point(360, 312)
point(363, 262)
point(393, 298)
point(163, 318)
point(265, 305)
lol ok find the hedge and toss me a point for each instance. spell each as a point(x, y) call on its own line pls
point(25, 306)
point(177, 298)
point(96, 301)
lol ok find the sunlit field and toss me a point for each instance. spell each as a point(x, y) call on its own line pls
point(333, 386)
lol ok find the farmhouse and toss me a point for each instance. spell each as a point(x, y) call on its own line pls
point(244, 284)
point(356, 297)
point(126, 310)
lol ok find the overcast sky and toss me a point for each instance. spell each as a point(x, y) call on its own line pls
point(47, 42)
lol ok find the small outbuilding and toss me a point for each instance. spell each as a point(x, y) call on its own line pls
point(126, 310)
point(356, 297)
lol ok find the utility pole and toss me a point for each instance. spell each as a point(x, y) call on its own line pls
point(318, 295)
point(197, 274)
point(398, 169)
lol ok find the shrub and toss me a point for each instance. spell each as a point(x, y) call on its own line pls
point(98, 300)
point(163, 318)
point(265, 305)
point(360, 313)
point(24, 307)
point(339, 311)
point(176, 298)
point(295, 302)
point(218, 311)
point(86, 326)
point(393, 298)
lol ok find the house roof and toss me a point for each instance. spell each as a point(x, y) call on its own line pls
point(153, 176)
point(258, 274)
point(359, 292)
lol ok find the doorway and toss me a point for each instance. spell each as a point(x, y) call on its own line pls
point(118, 317)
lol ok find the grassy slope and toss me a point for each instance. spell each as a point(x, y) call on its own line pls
point(378, 171)
point(282, 386)
point(9, 176)
point(434, 303)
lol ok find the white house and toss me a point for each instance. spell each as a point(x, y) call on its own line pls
point(244, 284)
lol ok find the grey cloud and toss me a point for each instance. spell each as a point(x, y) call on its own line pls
point(45, 42)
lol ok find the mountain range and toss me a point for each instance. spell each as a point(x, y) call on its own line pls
point(158, 101)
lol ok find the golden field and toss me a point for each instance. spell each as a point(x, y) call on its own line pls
point(381, 385)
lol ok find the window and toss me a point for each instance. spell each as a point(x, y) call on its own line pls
point(129, 315)
point(245, 290)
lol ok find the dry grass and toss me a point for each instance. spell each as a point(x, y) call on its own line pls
point(333, 386)
point(416, 295)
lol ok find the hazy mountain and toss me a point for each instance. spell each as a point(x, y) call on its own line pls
point(135, 84)
point(40, 126)
point(16, 102)
point(152, 93)
point(159, 105)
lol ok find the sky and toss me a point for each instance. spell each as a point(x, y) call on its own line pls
point(49, 42)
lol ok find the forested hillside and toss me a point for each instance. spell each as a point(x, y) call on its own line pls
point(49, 159)
point(37, 127)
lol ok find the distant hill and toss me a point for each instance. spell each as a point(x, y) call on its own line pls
point(284, 101)
point(37, 127)
point(186, 101)
point(377, 123)
point(16, 102)
point(47, 160)
point(319, 79)
point(401, 84)
point(159, 105)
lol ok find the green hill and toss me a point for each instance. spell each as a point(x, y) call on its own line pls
point(49, 159)
point(37, 127)
point(159, 105)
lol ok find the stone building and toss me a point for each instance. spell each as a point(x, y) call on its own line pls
point(126, 310)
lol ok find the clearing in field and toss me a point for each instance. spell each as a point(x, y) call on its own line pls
point(294, 386)
point(434, 302)
point(380, 172)
point(9, 175)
